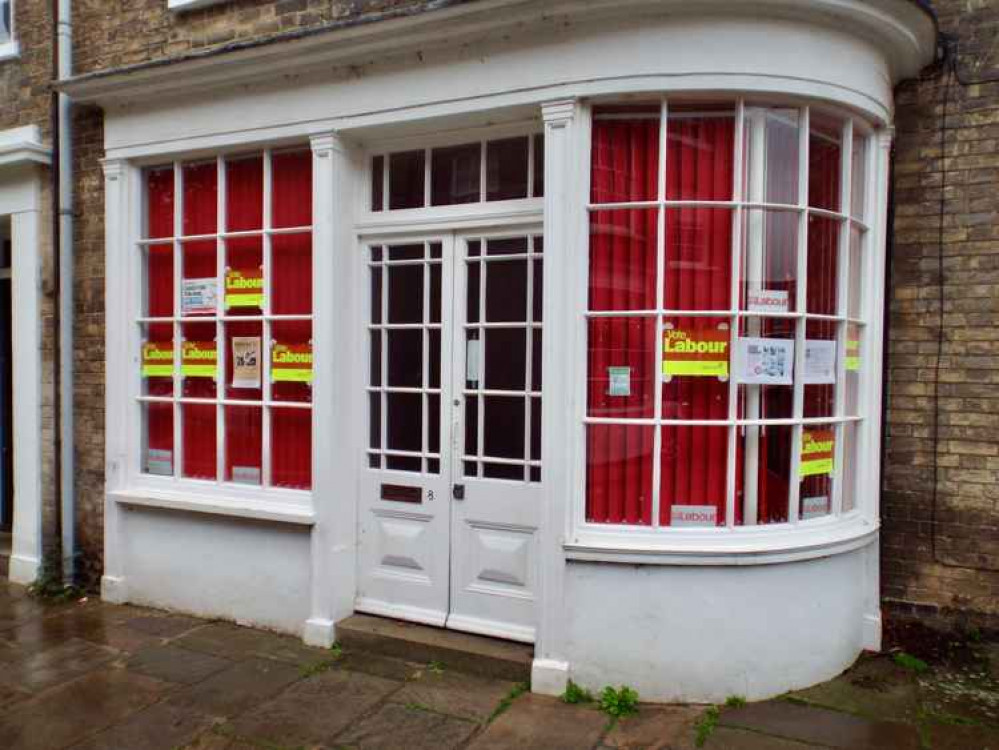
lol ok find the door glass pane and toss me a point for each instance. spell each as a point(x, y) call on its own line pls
point(506, 168)
point(506, 291)
point(406, 179)
point(455, 174)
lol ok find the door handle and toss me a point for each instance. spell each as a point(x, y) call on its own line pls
point(458, 492)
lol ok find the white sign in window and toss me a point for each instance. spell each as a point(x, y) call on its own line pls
point(766, 361)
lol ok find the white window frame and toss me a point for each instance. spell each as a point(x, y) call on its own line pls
point(749, 544)
point(10, 48)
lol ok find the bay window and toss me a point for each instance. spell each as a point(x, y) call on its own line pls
point(226, 320)
point(728, 257)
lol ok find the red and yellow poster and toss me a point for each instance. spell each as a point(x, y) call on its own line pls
point(702, 352)
point(199, 359)
point(157, 359)
point(244, 288)
point(852, 352)
point(817, 452)
point(291, 363)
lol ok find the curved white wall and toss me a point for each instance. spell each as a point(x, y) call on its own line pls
point(701, 634)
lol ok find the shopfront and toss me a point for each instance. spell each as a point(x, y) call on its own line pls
point(560, 324)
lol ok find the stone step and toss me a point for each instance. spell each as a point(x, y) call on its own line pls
point(463, 652)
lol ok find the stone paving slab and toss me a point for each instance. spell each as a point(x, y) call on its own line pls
point(175, 664)
point(237, 688)
point(159, 727)
point(725, 738)
point(535, 721)
point(656, 728)
point(462, 695)
point(33, 670)
point(395, 727)
point(238, 643)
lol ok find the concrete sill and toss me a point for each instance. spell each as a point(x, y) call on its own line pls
point(260, 510)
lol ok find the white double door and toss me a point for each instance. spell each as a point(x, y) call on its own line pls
point(450, 495)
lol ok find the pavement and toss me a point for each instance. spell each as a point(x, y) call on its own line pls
point(93, 676)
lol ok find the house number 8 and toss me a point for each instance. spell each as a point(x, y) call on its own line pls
point(430, 496)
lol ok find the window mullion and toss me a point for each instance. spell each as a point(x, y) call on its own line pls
point(801, 327)
point(266, 344)
point(733, 388)
point(657, 400)
point(842, 301)
point(178, 274)
point(220, 337)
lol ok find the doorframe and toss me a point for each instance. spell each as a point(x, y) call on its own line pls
point(22, 162)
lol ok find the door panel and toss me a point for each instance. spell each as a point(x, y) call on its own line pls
point(497, 434)
point(404, 516)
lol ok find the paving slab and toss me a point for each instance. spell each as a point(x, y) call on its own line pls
point(93, 621)
point(821, 726)
point(59, 717)
point(967, 692)
point(238, 643)
point(876, 688)
point(955, 737)
point(376, 665)
point(35, 670)
point(724, 738)
point(10, 695)
point(163, 624)
point(536, 721)
point(454, 693)
point(211, 740)
point(175, 664)
point(237, 688)
point(16, 606)
point(159, 727)
point(314, 710)
point(656, 728)
point(394, 727)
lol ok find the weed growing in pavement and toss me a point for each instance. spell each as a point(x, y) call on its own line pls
point(620, 702)
point(576, 694)
point(515, 692)
point(435, 667)
point(735, 701)
point(913, 664)
point(706, 725)
point(311, 670)
point(336, 650)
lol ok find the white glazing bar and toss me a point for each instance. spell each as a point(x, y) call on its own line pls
point(528, 352)
point(657, 403)
point(383, 344)
point(220, 339)
point(732, 434)
point(480, 384)
point(266, 341)
point(425, 375)
point(843, 302)
point(794, 486)
point(178, 276)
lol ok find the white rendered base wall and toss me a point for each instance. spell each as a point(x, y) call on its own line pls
point(702, 634)
point(250, 572)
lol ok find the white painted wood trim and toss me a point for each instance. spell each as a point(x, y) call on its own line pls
point(189, 502)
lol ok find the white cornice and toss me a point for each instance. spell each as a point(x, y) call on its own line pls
point(905, 33)
point(21, 146)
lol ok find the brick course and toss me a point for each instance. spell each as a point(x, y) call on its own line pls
point(944, 560)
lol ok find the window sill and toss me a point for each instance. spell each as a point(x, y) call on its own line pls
point(260, 509)
point(9, 50)
point(178, 5)
point(735, 547)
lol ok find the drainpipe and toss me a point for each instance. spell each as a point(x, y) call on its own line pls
point(63, 201)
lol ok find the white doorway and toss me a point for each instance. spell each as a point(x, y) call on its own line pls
point(450, 495)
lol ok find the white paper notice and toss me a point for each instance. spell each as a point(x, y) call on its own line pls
point(246, 362)
point(618, 381)
point(159, 461)
point(766, 361)
point(472, 360)
point(693, 515)
point(820, 362)
point(813, 507)
point(767, 300)
point(199, 296)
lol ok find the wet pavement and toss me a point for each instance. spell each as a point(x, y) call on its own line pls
point(93, 676)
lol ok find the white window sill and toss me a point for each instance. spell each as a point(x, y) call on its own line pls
point(748, 545)
point(277, 509)
point(9, 50)
point(191, 4)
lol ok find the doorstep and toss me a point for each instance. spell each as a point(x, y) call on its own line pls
point(474, 654)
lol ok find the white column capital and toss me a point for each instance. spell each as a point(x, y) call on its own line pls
point(558, 113)
point(324, 144)
point(886, 136)
point(113, 169)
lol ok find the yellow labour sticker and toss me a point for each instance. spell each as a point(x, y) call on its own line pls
point(698, 352)
point(244, 288)
point(199, 359)
point(817, 452)
point(291, 363)
point(157, 359)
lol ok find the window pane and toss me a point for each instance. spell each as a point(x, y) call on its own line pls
point(406, 179)
point(244, 276)
point(852, 457)
point(625, 154)
point(159, 202)
point(244, 365)
point(696, 368)
point(769, 261)
point(823, 265)
point(619, 474)
point(816, 470)
point(855, 294)
point(504, 438)
point(455, 174)
point(157, 366)
point(699, 153)
point(820, 368)
point(200, 198)
point(694, 475)
point(199, 284)
point(244, 186)
point(291, 189)
point(772, 155)
point(157, 456)
point(199, 359)
point(506, 291)
point(765, 481)
point(858, 188)
point(291, 448)
point(506, 359)
point(377, 183)
point(405, 358)
point(698, 258)
point(199, 440)
point(853, 364)
point(824, 162)
point(539, 166)
point(291, 360)
point(243, 426)
point(291, 274)
point(404, 422)
point(623, 259)
point(765, 396)
point(622, 362)
point(405, 293)
point(158, 301)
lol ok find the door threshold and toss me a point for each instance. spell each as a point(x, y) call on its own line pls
point(463, 652)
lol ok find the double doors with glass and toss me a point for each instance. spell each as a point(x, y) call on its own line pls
point(450, 496)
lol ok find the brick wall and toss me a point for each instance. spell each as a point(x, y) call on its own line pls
point(940, 555)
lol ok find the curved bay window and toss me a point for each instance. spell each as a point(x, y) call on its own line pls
point(226, 320)
point(729, 248)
